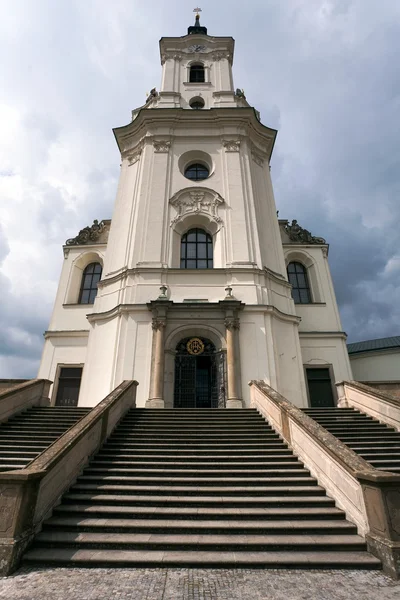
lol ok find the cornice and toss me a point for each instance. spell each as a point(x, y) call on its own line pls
point(174, 307)
point(237, 117)
point(124, 273)
point(323, 334)
point(66, 333)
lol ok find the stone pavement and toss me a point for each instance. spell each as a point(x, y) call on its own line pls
point(196, 584)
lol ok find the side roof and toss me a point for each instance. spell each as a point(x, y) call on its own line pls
point(373, 345)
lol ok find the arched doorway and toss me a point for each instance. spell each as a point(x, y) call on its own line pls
point(199, 375)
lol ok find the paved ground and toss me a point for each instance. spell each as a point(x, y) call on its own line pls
point(196, 584)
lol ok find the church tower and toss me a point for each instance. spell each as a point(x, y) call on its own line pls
point(194, 299)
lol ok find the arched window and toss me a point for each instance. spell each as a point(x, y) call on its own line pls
point(196, 250)
point(197, 73)
point(297, 275)
point(197, 172)
point(90, 278)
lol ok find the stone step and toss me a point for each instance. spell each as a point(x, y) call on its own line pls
point(294, 488)
point(154, 559)
point(170, 525)
point(198, 447)
point(178, 478)
point(195, 463)
point(194, 514)
point(371, 437)
point(195, 437)
point(185, 542)
point(189, 472)
point(292, 498)
point(360, 429)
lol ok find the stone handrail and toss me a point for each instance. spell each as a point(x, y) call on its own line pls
point(28, 495)
point(370, 498)
point(377, 404)
point(23, 396)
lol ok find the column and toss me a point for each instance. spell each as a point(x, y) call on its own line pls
point(156, 399)
point(232, 325)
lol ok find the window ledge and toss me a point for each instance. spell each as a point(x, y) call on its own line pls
point(197, 83)
point(75, 304)
point(310, 303)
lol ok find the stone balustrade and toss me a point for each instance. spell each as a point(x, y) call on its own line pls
point(377, 404)
point(28, 495)
point(370, 497)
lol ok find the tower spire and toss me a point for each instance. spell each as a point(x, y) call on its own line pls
point(197, 28)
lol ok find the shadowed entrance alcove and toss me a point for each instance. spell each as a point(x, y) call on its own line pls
point(199, 374)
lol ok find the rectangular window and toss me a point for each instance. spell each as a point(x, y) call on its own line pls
point(69, 383)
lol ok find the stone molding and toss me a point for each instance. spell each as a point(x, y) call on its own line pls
point(231, 145)
point(196, 201)
point(161, 146)
point(233, 324)
point(158, 324)
point(258, 155)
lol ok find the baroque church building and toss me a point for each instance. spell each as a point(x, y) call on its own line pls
point(195, 287)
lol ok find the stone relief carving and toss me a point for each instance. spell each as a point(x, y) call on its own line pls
point(232, 324)
point(88, 235)
point(258, 159)
point(217, 56)
point(300, 235)
point(231, 145)
point(134, 157)
point(158, 324)
point(161, 146)
point(197, 201)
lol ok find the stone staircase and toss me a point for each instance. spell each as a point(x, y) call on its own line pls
point(24, 437)
point(375, 442)
point(184, 488)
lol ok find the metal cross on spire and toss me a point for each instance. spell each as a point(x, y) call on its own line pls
point(197, 11)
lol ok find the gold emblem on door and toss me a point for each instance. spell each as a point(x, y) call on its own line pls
point(195, 346)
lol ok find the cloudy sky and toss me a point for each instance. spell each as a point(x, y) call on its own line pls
point(323, 72)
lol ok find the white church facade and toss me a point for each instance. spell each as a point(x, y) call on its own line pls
point(195, 287)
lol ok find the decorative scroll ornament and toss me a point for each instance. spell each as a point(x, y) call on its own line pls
point(162, 146)
point(231, 145)
point(300, 235)
point(158, 324)
point(196, 201)
point(197, 48)
point(232, 324)
point(87, 235)
point(134, 157)
point(195, 346)
point(217, 56)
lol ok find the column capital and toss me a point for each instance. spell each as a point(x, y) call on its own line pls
point(232, 323)
point(158, 324)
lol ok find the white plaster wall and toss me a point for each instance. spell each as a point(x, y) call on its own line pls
point(63, 351)
point(323, 315)
point(119, 349)
point(376, 366)
point(326, 350)
point(67, 313)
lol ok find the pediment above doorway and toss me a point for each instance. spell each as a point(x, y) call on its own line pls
point(196, 201)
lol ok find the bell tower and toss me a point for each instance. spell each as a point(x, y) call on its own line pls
point(194, 249)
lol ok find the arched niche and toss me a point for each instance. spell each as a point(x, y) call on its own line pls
point(75, 276)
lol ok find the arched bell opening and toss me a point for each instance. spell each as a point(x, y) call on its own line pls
point(199, 374)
